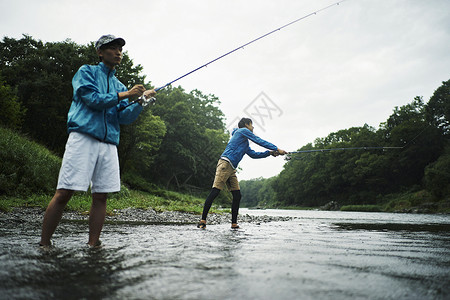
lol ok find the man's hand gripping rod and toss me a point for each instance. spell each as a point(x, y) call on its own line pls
point(145, 101)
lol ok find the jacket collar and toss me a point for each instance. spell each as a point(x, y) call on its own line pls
point(105, 69)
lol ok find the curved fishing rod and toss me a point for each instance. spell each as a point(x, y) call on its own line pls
point(349, 148)
point(289, 157)
point(359, 148)
point(152, 100)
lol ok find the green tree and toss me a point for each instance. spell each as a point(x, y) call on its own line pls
point(176, 142)
point(423, 143)
point(250, 192)
point(313, 179)
point(11, 111)
point(437, 176)
point(438, 108)
point(42, 75)
point(194, 139)
point(140, 142)
point(361, 176)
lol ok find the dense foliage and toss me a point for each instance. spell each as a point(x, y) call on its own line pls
point(26, 167)
point(175, 143)
point(365, 177)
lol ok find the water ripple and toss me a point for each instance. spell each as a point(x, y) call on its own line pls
point(316, 255)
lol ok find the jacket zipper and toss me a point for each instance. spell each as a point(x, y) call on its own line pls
point(104, 112)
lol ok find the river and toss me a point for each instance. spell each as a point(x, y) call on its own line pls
point(316, 255)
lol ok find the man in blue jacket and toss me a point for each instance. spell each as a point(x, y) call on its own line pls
point(94, 119)
point(228, 162)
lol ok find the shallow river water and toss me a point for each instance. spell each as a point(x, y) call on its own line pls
point(316, 255)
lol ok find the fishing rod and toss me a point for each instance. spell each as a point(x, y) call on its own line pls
point(358, 148)
point(288, 157)
point(152, 100)
point(349, 148)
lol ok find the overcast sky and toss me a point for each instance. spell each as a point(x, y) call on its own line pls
point(348, 65)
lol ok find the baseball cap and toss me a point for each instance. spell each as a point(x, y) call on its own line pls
point(108, 38)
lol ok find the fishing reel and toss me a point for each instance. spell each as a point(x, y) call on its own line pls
point(146, 101)
point(291, 156)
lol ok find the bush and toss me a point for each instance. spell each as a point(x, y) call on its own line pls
point(11, 111)
point(437, 177)
point(136, 182)
point(25, 166)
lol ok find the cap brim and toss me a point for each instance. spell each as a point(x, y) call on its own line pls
point(119, 41)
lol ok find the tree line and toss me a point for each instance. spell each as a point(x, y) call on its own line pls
point(173, 144)
point(364, 177)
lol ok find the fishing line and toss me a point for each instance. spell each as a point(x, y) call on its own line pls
point(349, 148)
point(288, 157)
point(152, 100)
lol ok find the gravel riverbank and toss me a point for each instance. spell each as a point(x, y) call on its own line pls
point(133, 215)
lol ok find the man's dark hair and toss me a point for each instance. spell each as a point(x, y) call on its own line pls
point(244, 121)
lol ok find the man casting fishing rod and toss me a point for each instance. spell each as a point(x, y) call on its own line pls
point(94, 119)
point(235, 150)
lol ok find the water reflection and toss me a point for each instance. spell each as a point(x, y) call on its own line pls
point(317, 255)
point(59, 273)
point(395, 227)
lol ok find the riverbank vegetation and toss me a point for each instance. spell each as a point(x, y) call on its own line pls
point(81, 202)
point(29, 174)
point(412, 178)
point(168, 157)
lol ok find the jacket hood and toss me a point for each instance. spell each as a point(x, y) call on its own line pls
point(234, 130)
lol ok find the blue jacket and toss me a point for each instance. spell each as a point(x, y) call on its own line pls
point(95, 103)
point(238, 146)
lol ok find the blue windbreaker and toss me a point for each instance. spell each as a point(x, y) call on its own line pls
point(95, 103)
point(238, 146)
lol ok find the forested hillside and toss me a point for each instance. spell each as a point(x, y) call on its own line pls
point(366, 176)
point(175, 143)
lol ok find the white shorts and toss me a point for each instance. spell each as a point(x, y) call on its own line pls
point(88, 161)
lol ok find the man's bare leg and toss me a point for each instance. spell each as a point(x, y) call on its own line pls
point(53, 214)
point(97, 217)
